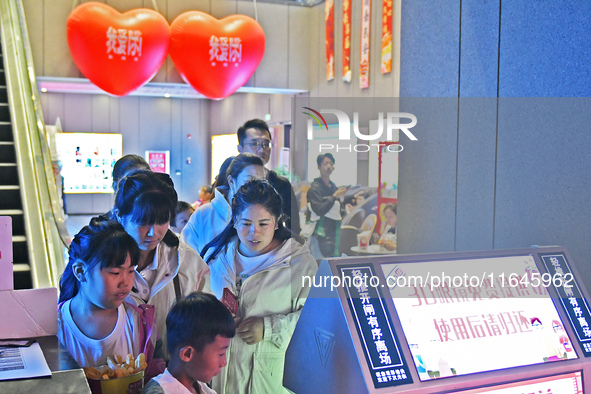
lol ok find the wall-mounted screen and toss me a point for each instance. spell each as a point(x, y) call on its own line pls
point(475, 315)
point(87, 160)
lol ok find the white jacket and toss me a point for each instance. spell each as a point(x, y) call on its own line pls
point(276, 294)
point(207, 222)
point(193, 276)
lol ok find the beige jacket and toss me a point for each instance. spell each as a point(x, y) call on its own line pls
point(193, 276)
point(276, 294)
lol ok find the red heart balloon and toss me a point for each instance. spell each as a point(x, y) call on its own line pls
point(214, 56)
point(117, 52)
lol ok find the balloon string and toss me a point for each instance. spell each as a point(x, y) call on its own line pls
point(256, 15)
point(155, 6)
point(74, 4)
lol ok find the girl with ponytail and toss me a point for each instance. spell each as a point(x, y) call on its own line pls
point(94, 322)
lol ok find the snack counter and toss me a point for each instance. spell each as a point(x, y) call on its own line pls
point(502, 321)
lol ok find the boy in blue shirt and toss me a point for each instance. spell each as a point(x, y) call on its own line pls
point(199, 330)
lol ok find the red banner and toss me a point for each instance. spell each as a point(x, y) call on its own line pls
point(347, 74)
point(329, 23)
point(386, 36)
point(365, 33)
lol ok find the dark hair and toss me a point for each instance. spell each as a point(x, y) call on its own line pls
point(147, 198)
point(181, 206)
point(258, 124)
point(350, 199)
point(196, 321)
point(242, 161)
point(127, 165)
point(221, 179)
point(103, 242)
point(206, 188)
point(322, 157)
point(255, 191)
point(392, 207)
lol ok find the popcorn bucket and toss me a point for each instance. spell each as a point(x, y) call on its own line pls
point(131, 384)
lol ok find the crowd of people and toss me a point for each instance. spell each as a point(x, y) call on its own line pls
point(210, 292)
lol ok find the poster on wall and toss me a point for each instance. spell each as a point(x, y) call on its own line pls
point(365, 32)
point(329, 25)
point(347, 75)
point(87, 160)
point(159, 160)
point(386, 36)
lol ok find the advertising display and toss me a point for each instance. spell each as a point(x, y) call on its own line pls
point(497, 321)
point(450, 310)
point(87, 160)
point(159, 160)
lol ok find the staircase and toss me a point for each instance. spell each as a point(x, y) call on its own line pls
point(10, 195)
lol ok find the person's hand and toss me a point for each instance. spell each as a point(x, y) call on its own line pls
point(340, 192)
point(251, 330)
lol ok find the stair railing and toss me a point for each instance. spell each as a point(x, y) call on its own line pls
point(47, 236)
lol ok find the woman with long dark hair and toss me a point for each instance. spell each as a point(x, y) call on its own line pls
point(210, 219)
point(257, 260)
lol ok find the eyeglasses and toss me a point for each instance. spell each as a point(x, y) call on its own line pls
point(259, 145)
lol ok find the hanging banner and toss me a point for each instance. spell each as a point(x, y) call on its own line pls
point(347, 41)
point(365, 31)
point(386, 36)
point(329, 26)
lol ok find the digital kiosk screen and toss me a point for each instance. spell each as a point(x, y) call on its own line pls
point(475, 315)
point(570, 383)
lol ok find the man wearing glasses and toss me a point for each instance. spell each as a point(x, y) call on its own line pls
point(254, 137)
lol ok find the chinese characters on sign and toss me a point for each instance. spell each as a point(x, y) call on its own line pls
point(386, 36)
point(225, 50)
point(572, 300)
point(347, 74)
point(159, 161)
point(478, 314)
point(380, 345)
point(123, 43)
point(365, 32)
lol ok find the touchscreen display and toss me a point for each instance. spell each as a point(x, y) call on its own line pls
point(564, 384)
point(467, 316)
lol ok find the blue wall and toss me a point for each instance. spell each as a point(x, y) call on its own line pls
point(497, 173)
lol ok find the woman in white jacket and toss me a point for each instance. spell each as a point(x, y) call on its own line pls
point(167, 269)
point(261, 263)
point(209, 220)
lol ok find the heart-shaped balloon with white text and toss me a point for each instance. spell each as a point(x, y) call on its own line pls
point(117, 52)
point(214, 56)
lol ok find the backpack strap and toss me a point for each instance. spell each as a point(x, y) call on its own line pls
point(177, 287)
